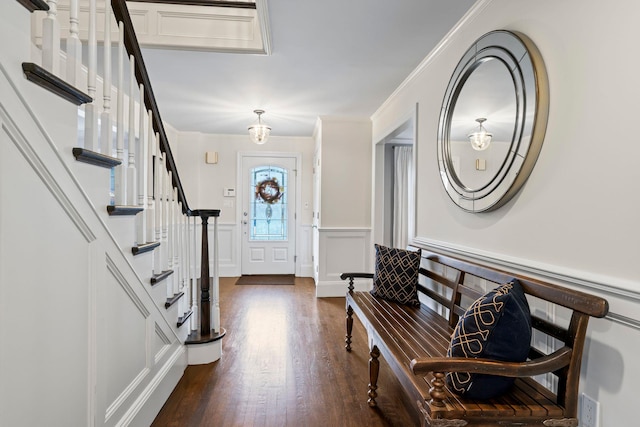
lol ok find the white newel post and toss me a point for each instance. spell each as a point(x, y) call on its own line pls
point(51, 39)
point(90, 113)
point(131, 138)
point(120, 170)
point(74, 46)
point(195, 317)
point(106, 144)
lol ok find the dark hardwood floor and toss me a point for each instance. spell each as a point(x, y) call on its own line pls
point(284, 364)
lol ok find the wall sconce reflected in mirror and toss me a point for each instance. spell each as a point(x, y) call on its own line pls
point(480, 139)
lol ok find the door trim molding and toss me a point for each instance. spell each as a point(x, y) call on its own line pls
point(240, 194)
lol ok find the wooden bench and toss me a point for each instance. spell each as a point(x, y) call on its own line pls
point(414, 342)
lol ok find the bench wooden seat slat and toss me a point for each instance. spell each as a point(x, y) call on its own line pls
point(404, 335)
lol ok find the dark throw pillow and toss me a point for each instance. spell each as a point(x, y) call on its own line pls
point(496, 326)
point(396, 275)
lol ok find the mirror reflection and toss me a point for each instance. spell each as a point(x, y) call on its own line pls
point(488, 94)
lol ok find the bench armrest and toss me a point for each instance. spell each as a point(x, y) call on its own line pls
point(352, 276)
point(550, 363)
point(345, 276)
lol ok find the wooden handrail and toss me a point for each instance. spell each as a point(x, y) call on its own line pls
point(121, 13)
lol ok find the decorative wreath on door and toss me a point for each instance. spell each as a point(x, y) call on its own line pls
point(269, 190)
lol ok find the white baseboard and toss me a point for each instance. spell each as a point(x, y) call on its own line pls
point(148, 404)
point(202, 354)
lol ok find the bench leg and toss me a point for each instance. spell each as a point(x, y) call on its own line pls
point(374, 369)
point(347, 339)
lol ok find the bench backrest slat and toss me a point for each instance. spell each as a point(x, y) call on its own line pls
point(455, 295)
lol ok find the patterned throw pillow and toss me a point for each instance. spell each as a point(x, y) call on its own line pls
point(496, 326)
point(396, 275)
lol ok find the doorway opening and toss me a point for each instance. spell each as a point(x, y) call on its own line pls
point(395, 187)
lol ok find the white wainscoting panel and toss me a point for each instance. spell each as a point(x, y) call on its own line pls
point(125, 354)
point(342, 250)
point(304, 262)
point(228, 244)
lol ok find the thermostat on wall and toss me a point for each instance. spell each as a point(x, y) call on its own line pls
point(211, 157)
point(229, 192)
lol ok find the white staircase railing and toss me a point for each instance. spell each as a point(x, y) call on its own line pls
point(146, 180)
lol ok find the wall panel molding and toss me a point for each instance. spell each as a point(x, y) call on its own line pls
point(150, 390)
point(29, 153)
point(128, 391)
point(614, 289)
point(113, 269)
point(342, 249)
point(159, 333)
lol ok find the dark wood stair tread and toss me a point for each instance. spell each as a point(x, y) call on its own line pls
point(97, 159)
point(195, 337)
point(140, 249)
point(174, 299)
point(182, 319)
point(54, 84)
point(33, 5)
point(122, 210)
point(157, 278)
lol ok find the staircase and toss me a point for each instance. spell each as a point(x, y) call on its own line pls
point(101, 300)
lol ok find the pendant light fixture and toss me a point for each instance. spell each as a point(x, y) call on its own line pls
point(259, 132)
point(480, 139)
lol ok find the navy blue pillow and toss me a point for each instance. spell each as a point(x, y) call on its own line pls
point(496, 326)
point(396, 275)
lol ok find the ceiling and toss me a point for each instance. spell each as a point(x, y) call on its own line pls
point(328, 58)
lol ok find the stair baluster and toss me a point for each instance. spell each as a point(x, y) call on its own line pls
point(51, 39)
point(106, 144)
point(168, 203)
point(74, 47)
point(121, 170)
point(131, 186)
point(90, 110)
point(176, 240)
point(157, 195)
point(195, 319)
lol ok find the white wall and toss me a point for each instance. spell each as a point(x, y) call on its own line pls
point(575, 219)
point(346, 172)
point(204, 183)
point(344, 225)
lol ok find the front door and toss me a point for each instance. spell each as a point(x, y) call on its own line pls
point(268, 215)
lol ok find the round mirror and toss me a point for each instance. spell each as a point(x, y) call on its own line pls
point(493, 121)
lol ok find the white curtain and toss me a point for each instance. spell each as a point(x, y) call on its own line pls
point(403, 197)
